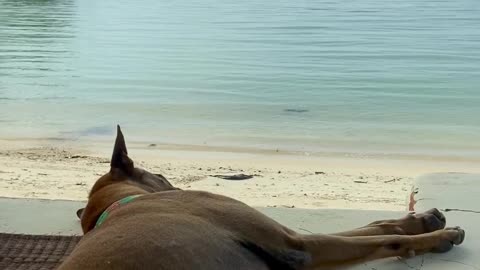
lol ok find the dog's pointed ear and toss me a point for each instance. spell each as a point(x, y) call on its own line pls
point(120, 160)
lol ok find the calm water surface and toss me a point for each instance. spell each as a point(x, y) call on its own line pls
point(398, 76)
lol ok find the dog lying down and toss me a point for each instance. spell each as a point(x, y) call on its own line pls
point(137, 220)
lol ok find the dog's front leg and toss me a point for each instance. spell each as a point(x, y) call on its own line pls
point(330, 251)
point(412, 224)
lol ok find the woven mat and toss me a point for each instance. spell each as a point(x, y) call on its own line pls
point(34, 252)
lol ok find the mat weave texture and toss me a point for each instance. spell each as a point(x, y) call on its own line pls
point(34, 252)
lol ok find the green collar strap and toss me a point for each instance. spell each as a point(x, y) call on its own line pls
point(114, 206)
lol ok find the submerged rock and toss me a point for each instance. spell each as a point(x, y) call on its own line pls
point(296, 110)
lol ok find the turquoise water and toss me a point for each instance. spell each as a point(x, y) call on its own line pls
point(398, 76)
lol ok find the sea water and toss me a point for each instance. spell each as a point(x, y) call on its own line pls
point(360, 76)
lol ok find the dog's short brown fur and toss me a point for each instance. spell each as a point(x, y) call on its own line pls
point(168, 228)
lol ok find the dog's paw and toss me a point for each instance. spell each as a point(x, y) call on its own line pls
point(451, 237)
point(420, 223)
point(458, 235)
point(433, 220)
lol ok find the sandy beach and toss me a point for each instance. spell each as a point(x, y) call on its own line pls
point(370, 96)
point(67, 170)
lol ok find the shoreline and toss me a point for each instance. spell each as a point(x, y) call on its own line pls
point(105, 142)
point(66, 170)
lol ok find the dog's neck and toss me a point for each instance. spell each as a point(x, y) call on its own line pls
point(102, 199)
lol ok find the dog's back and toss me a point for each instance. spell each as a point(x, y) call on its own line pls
point(184, 230)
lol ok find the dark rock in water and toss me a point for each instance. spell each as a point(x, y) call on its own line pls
point(320, 173)
point(296, 110)
point(234, 177)
point(152, 145)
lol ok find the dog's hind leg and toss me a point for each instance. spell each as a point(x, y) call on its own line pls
point(412, 224)
point(330, 251)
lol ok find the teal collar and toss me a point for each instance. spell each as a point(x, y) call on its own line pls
point(112, 207)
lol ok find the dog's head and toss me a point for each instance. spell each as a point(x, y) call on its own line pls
point(122, 170)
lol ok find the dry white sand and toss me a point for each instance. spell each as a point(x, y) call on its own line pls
point(67, 170)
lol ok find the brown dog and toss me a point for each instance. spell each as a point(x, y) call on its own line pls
point(153, 225)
